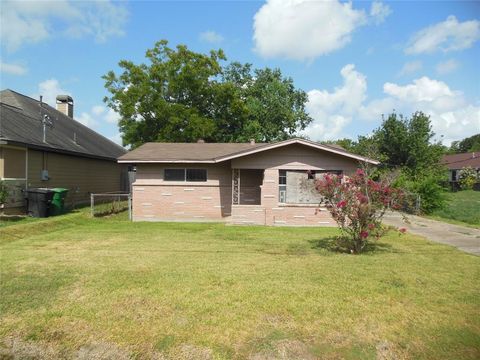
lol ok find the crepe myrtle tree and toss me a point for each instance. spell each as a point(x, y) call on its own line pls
point(357, 203)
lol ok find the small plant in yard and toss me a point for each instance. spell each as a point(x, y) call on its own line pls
point(358, 203)
point(468, 178)
point(3, 192)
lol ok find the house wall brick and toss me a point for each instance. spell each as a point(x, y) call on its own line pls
point(157, 200)
point(276, 214)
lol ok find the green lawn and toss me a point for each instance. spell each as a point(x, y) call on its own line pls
point(463, 208)
point(86, 288)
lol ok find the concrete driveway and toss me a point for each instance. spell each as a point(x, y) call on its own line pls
point(464, 238)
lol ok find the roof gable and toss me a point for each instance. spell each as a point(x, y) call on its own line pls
point(312, 144)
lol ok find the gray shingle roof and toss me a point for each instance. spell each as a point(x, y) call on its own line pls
point(216, 152)
point(186, 151)
point(21, 122)
point(459, 161)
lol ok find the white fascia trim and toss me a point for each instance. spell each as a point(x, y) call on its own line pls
point(166, 161)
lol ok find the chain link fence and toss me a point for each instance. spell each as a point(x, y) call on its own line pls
point(110, 203)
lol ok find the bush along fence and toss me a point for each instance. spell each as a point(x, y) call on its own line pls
point(110, 203)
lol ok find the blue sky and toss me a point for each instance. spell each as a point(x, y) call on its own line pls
point(356, 60)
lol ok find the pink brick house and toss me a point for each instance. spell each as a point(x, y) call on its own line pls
point(238, 183)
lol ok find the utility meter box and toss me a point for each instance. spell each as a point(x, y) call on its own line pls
point(44, 175)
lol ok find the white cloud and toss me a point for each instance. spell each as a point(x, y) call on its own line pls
point(422, 89)
point(379, 12)
point(449, 35)
point(447, 67)
point(98, 114)
point(451, 114)
point(49, 89)
point(12, 69)
point(87, 119)
point(332, 111)
point(98, 110)
point(410, 68)
point(302, 29)
point(117, 138)
point(211, 37)
point(28, 22)
point(112, 117)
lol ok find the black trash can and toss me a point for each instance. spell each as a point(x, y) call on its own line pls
point(39, 201)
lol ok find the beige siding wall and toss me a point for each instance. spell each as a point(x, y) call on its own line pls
point(81, 176)
point(13, 160)
point(12, 171)
point(296, 157)
point(2, 163)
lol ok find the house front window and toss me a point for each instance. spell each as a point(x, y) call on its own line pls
point(196, 175)
point(193, 175)
point(454, 175)
point(298, 186)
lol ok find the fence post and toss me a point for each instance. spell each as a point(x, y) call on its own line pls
point(130, 206)
point(91, 205)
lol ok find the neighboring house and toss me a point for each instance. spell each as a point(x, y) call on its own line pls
point(248, 183)
point(45, 147)
point(456, 162)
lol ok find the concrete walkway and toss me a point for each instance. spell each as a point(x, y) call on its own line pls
point(464, 238)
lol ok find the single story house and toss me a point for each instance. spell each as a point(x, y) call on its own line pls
point(45, 147)
point(238, 183)
point(456, 162)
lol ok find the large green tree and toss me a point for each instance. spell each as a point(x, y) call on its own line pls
point(275, 109)
point(182, 96)
point(408, 143)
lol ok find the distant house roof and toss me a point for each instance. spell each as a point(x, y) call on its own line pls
point(216, 152)
point(459, 161)
point(21, 124)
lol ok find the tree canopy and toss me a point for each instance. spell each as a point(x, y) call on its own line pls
point(400, 142)
point(468, 144)
point(183, 96)
point(406, 145)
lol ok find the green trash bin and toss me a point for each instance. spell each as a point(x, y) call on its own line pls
point(58, 201)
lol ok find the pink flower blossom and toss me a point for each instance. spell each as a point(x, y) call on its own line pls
point(362, 198)
point(341, 204)
point(402, 230)
point(364, 234)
